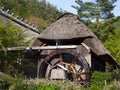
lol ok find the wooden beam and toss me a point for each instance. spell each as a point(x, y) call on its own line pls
point(84, 45)
point(52, 47)
point(40, 48)
point(14, 49)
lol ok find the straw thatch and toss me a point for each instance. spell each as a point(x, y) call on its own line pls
point(66, 27)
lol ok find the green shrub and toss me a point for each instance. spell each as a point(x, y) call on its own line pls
point(95, 88)
point(97, 83)
point(18, 86)
point(6, 80)
point(99, 78)
point(49, 87)
point(116, 74)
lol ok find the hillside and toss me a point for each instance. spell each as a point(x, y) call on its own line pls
point(37, 12)
point(40, 13)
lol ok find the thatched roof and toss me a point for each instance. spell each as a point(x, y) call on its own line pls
point(69, 27)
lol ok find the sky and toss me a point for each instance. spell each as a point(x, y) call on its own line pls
point(66, 5)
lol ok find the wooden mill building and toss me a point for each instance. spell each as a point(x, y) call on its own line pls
point(67, 49)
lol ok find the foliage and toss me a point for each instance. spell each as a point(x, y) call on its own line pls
point(101, 80)
point(18, 86)
point(98, 9)
point(6, 81)
point(98, 78)
point(113, 86)
point(48, 11)
point(106, 28)
point(34, 11)
point(11, 83)
point(113, 44)
point(6, 78)
point(49, 87)
point(10, 36)
point(29, 68)
point(95, 10)
point(108, 33)
point(9, 64)
point(26, 9)
point(20, 7)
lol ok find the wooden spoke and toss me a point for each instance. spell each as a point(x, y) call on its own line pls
point(65, 63)
point(47, 62)
point(74, 61)
point(61, 57)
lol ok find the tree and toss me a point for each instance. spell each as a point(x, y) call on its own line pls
point(38, 11)
point(97, 10)
point(113, 44)
point(109, 34)
point(10, 36)
point(106, 27)
point(47, 11)
point(19, 7)
point(26, 9)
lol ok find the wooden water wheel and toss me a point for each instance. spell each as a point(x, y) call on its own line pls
point(65, 65)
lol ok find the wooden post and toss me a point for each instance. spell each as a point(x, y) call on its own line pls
point(38, 67)
point(105, 85)
point(88, 56)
